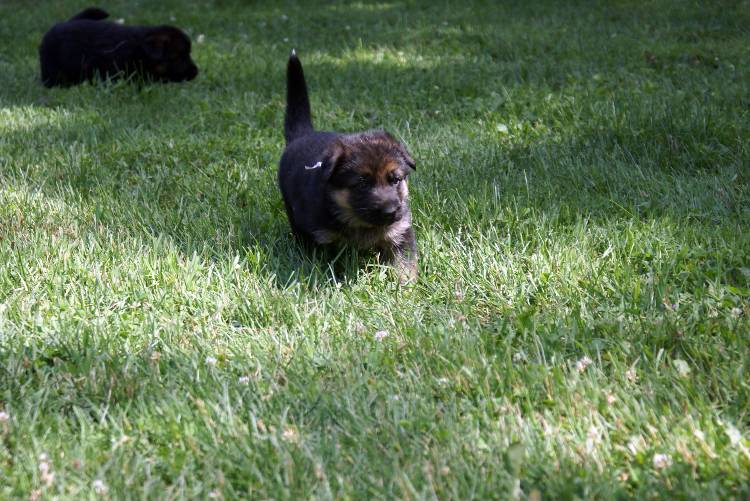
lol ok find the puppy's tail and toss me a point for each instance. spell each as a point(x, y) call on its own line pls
point(92, 14)
point(297, 120)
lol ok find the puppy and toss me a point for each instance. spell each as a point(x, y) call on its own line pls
point(85, 46)
point(345, 188)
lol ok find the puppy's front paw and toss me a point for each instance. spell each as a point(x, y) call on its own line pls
point(404, 264)
point(407, 272)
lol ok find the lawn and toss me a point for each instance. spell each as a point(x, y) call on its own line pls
point(579, 328)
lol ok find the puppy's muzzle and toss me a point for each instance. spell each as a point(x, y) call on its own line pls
point(391, 213)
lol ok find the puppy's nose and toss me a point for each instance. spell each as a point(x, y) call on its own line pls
point(391, 212)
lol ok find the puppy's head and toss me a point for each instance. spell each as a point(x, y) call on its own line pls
point(167, 51)
point(368, 178)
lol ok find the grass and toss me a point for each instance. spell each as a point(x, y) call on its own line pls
point(582, 205)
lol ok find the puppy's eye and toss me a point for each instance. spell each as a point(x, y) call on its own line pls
point(395, 180)
point(362, 181)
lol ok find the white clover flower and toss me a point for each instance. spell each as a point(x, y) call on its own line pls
point(593, 437)
point(735, 437)
point(48, 478)
point(4, 417)
point(662, 461)
point(320, 473)
point(630, 375)
point(117, 442)
point(380, 335)
point(99, 487)
point(244, 380)
point(290, 435)
point(682, 367)
point(736, 311)
point(635, 444)
point(611, 399)
point(519, 356)
point(46, 474)
point(211, 360)
point(200, 38)
point(583, 363)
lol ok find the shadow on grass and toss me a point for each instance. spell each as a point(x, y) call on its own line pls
point(150, 182)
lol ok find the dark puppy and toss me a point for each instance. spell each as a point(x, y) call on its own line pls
point(85, 46)
point(345, 188)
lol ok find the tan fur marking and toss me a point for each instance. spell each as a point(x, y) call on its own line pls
point(341, 197)
point(365, 170)
point(383, 171)
point(324, 236)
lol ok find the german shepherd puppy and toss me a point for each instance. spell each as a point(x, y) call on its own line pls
point(345, 188)
point(84, 46)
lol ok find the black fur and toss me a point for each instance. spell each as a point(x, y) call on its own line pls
point(345, 188)
point(297, 119)
point(92, 13)
point(85, 46)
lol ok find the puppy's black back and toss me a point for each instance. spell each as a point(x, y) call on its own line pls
point(73, 51)
point(78, 49)
point(92, 14)
point(302, 181)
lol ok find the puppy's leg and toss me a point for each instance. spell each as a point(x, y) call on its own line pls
point(403, 256)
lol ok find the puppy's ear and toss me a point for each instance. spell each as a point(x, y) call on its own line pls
point(407, 156)
point(155, 44)
point(402, 150)
point(336, 156)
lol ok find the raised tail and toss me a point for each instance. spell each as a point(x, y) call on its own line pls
point(297, 120)
point(92, 14)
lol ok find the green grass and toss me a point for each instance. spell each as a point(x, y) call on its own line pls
point(582, 191)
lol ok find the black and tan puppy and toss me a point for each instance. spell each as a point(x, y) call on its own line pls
point(86, 46)
point(345, 188)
